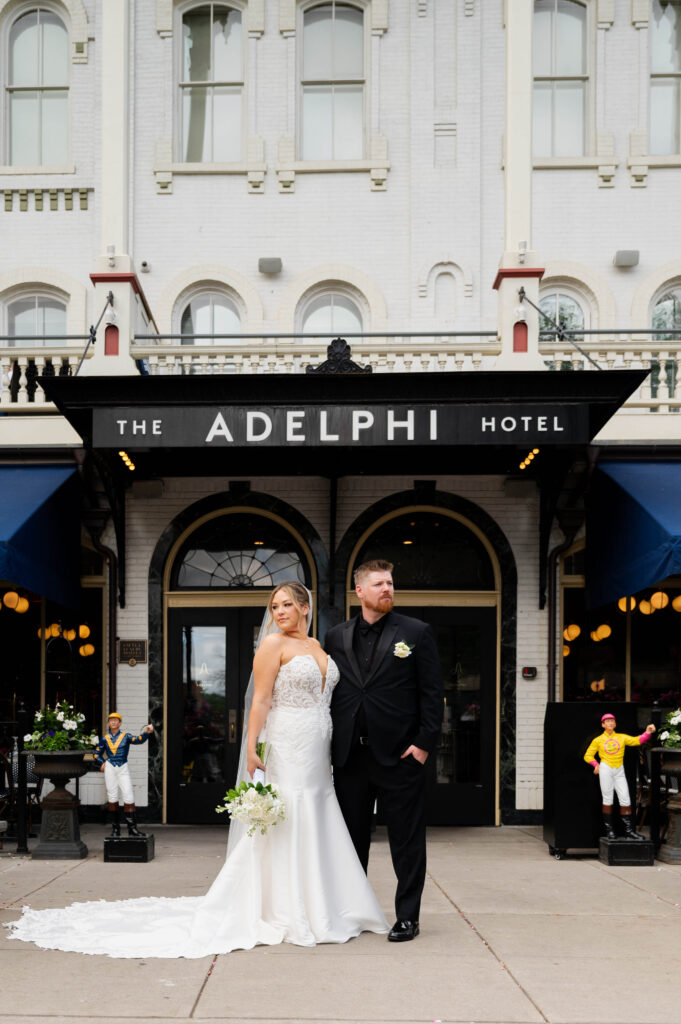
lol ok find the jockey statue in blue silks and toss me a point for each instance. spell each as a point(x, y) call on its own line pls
point(116, 746)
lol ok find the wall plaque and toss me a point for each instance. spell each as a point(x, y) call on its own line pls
point(133, 652)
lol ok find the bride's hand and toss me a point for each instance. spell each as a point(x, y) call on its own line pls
point(253, 762)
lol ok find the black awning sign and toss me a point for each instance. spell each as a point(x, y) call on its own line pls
point(342, 425)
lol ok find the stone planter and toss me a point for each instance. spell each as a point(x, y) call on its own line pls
point(670, 764)
point(59, 829)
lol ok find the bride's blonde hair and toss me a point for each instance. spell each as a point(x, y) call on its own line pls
point(295, 590)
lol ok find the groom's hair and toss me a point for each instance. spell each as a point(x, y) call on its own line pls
point(374, 565)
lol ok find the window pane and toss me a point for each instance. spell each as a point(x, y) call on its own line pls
point(656, 653)
point(55, 127)
point(541, 119)
point(317, 122)
point(348, 122)
point(332, 313)
point(24, 129)
point(541, 41)
point(23, 48)
point(570, 38)
point(21, 317)
point(55, 50)
point(226, 124)
point(593, 668)
point(51, 317)
point(227, 49)
point(197, 319)
point(665, 37)
point(317, 43)
point(226, 319)
point(348, 43)
point(196, 111)
point(569, 113)
point(196, 49)
point(664, 116)
point(667, 313)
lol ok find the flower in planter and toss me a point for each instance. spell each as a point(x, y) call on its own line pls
point(59, 728)
point(671, 734)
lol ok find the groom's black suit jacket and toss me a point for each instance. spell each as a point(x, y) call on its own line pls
point(402, 697)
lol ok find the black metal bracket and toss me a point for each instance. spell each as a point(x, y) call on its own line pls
point(93, 331)
point(561, 332)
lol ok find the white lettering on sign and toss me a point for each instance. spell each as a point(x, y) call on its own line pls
point(139, 426)
point(556, 422)
point(293, 425)
point(219, 429)
point(264, 419)
point(324, 434)
point(407, 425)
point(121, 426)
point(157, 427)
point(508, 424)
point(361, 420)
point(433, 424)
point(541, 423)
point(489, 423)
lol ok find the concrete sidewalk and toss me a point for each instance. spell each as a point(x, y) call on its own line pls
point(509, 934)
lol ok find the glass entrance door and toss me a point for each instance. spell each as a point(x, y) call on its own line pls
point(461, 786)
point(210, 655)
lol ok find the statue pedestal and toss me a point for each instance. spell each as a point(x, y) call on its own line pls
point(129, 849)
point(626, 852)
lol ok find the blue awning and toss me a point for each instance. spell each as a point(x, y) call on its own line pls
point(40, 531)
point(633, 528)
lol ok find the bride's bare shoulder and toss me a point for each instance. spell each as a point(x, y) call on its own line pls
point(272, 643)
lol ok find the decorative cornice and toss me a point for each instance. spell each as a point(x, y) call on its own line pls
point(504, 272)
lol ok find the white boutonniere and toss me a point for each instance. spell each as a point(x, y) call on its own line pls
point(402, 649)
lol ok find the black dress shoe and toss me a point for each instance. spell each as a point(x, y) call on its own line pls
point(403, 931)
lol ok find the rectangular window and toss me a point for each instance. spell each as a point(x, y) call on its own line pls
point(333, 83)
point(665, 84)
point(560, 78)
point(211, 84)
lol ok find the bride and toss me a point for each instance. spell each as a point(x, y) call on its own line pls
point(301, 882)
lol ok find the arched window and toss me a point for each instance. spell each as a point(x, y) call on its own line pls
point(561, 78)
point(332, 82)
point(38, 318)
point(211, 84)
point(665, 84)
point(331, 312)
point(238, 551)
point(209, 313)
point(430, 551)
point(559, 308)
point(667, 313)
point(37, 89)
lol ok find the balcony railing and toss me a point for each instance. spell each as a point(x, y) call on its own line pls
point(385, 352)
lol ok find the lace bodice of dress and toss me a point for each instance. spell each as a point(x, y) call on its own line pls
point(299, 684)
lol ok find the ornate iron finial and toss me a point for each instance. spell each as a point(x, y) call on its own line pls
point(338, 360)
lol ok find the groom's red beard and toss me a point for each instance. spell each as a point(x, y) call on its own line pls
point(381, 604)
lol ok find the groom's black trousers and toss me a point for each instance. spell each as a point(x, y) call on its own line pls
point(400, 790)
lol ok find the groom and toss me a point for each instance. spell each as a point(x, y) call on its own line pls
point(386, 710)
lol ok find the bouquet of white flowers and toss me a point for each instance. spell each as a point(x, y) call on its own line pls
point(255, 805)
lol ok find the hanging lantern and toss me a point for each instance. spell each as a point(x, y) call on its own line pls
point(22, 605)
point(622, 603)
point(55, 629)
point(676, 604)
point(83, 631)
point(659, 600)
point(594, 636)
point(11, 599)
point(86, 650)
point(603, 631)
point(572, 631)
point(69, 634)
point(566, 650)
point(645, 607)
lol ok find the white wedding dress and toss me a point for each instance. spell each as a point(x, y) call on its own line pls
point(301, 882)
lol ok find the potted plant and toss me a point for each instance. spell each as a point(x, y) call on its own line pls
point(59, 742)
point(670, 743)
point(670, 764)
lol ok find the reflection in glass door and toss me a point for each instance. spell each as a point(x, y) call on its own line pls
point(210, 654)
point(461, 787)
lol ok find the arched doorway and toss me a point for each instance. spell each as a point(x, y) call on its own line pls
point(218, 576)
point(447, 574)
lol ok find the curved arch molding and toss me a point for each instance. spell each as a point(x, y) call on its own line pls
point(76, 16)
point(240, 497)
point(509, 585)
